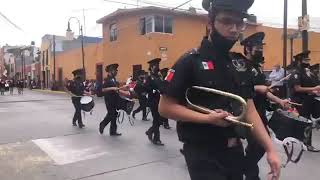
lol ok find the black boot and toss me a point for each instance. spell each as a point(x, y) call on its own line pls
point(149, 134)
point(115, 134)
point(101, 129)
point(157, 142)
point(81, 126)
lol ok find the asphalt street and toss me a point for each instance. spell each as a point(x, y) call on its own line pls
point(38, 142)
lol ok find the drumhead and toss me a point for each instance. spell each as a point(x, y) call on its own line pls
point(291, 115)
point(317, 98)
point(86, 99)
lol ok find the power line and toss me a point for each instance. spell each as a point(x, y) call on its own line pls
point(117, 2)
point(8, 20)
point(147, 3)
point(181, 4)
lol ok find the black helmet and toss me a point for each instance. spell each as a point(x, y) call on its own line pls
point(240, 6)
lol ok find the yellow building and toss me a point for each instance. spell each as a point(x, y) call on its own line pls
point(131, 37)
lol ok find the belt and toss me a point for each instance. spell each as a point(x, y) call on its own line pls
point(222, 144)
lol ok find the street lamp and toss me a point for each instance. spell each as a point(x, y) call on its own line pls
point(81, 34)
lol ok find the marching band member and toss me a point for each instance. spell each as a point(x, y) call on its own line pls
point(141, 93)
point(77, 89)
point(111, 91)
point(305, 88)
point(253, 49)
point(154, 84)
point(212, 149)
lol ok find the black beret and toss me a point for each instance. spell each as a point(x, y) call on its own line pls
point(302, 55)
point(111, 67)
point(154, 61)
point(78, 72)
point(254, 40)
point(240, 6)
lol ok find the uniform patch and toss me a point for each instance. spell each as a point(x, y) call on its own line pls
point(255, 72)
point(170, 75)
point(239, 64)
point(207, 65)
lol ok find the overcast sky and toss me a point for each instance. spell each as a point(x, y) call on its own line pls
point(35, 18)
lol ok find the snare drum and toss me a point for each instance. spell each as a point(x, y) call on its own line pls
point(87, 103)
point(285, 124)
point(125, 104)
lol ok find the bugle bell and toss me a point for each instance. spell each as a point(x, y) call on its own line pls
point(232, 119)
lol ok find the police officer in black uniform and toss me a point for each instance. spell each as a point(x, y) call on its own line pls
point(76, 89)
point(155, 86)
point(212, 149)
point(253, 49)
point(141, 93)
point(110, 90)
point(305, 89)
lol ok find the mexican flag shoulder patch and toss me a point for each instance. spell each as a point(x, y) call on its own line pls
point(170, 75)
point(207, 65)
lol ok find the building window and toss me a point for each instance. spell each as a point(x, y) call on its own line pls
point(113, 32)
point(156, 23)
point(149, 24)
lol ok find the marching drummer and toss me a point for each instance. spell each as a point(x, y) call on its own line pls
point(306, 87)
point(111, 90)
point(253, 49)
point(141, 92)
point(155, 86)
point(212, 149)
point(77, 90)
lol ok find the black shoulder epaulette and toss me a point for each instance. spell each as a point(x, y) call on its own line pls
point(192, 52)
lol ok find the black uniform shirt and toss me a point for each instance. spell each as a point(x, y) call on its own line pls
point(76, 88)
point(140, 89)
point(304, 78)
point(111, 96)
point(208, 67)
point(155, 87)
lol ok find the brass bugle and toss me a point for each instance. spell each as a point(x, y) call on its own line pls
point(232, 119)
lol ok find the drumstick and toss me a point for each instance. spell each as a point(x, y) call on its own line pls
point(285, 78)
point(293, 103)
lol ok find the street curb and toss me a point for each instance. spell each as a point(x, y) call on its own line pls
point(49, 91)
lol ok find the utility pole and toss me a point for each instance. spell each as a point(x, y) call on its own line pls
point(305, 37)
point(84, 21)
point(82, 50)
point(54, 61)
point(285, 36)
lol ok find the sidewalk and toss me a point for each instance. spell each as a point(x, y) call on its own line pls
point(49, 91)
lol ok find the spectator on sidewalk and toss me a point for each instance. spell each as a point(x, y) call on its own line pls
point(2, 87)
point(276, 75)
